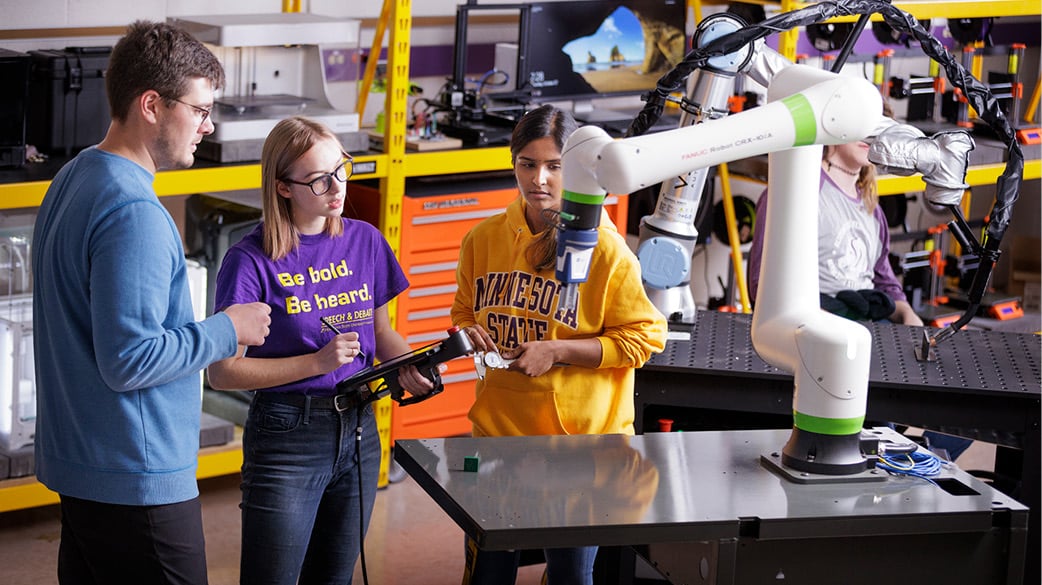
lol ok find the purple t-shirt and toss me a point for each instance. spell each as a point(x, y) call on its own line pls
point(343, 279)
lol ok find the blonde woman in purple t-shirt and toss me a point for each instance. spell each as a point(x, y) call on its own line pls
point(309, 469)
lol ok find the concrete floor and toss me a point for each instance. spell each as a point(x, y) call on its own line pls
point(411, 541)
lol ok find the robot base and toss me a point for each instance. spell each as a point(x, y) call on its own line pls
point(773, 462)
point(811, 457)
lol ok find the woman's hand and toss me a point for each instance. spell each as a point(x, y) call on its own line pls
point(535, 358)
point(414, 382)
point(480, 338)
point(341, 350)
point(904, 314)
point(532, 358)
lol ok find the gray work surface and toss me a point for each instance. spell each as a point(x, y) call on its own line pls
point(984, 385)
point(667, 488)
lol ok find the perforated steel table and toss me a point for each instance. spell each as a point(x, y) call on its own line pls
point(984, 385)
point(702, 508)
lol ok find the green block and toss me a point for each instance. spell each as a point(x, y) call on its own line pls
point(470, 464)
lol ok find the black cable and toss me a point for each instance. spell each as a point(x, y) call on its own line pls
point(361, 492)
point(848, 45)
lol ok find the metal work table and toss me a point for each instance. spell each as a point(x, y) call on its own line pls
point(984, 385)
point(708, 510)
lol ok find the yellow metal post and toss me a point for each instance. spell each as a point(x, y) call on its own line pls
point(374, 56)
point(1031, 112)
point(696, 6)
point(732, 235)
point(787, 39)
point(392, 187)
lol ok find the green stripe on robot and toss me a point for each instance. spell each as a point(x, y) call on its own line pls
point(803, 117)
point(583, 198)
point(828, 426)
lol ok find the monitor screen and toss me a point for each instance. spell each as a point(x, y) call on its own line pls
point(590, 48)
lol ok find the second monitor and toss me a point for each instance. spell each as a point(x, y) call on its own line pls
point(582, 50)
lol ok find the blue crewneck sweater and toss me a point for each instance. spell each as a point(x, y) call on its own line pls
point(117, 349)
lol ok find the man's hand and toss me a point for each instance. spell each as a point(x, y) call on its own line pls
point(251, 322)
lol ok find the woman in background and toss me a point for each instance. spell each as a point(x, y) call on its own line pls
point(854, 272)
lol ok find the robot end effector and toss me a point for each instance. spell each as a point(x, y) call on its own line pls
point(943, 158)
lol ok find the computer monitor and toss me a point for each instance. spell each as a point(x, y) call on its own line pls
point(581, 50)
point(571, 50)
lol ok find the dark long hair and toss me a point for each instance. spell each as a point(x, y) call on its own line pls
point(541, 122)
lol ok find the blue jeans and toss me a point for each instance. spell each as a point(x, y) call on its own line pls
point(301, 506)
point(564, 566)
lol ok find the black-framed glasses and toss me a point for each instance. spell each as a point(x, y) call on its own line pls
point(321, 184)
point(203, 113)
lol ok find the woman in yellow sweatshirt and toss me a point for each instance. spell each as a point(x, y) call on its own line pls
point(572, 373)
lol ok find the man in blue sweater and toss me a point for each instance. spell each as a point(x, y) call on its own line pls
point(118, 352)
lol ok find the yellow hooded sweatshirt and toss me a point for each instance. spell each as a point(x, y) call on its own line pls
point(500, 290)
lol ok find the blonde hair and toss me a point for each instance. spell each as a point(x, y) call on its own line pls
point(289, 140)
point(866, 182)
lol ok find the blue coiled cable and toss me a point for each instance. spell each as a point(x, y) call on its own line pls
point(919, 463)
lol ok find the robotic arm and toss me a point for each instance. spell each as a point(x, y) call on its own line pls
point(942, 177)
point(829, 355)
point(668, 236)
point(820, 108)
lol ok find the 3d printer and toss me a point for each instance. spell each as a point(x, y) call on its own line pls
point(276, 66)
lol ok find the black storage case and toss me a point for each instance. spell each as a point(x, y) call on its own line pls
point(14, 99)
point(69, 109)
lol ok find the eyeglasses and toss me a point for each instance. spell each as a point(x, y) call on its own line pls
point(323, 183)
point(203, 113)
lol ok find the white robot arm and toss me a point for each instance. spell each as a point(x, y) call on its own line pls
point(807, 108)
point(668, 236)
point(821, 108)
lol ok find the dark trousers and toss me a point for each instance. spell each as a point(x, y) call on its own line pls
point(112, 544)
